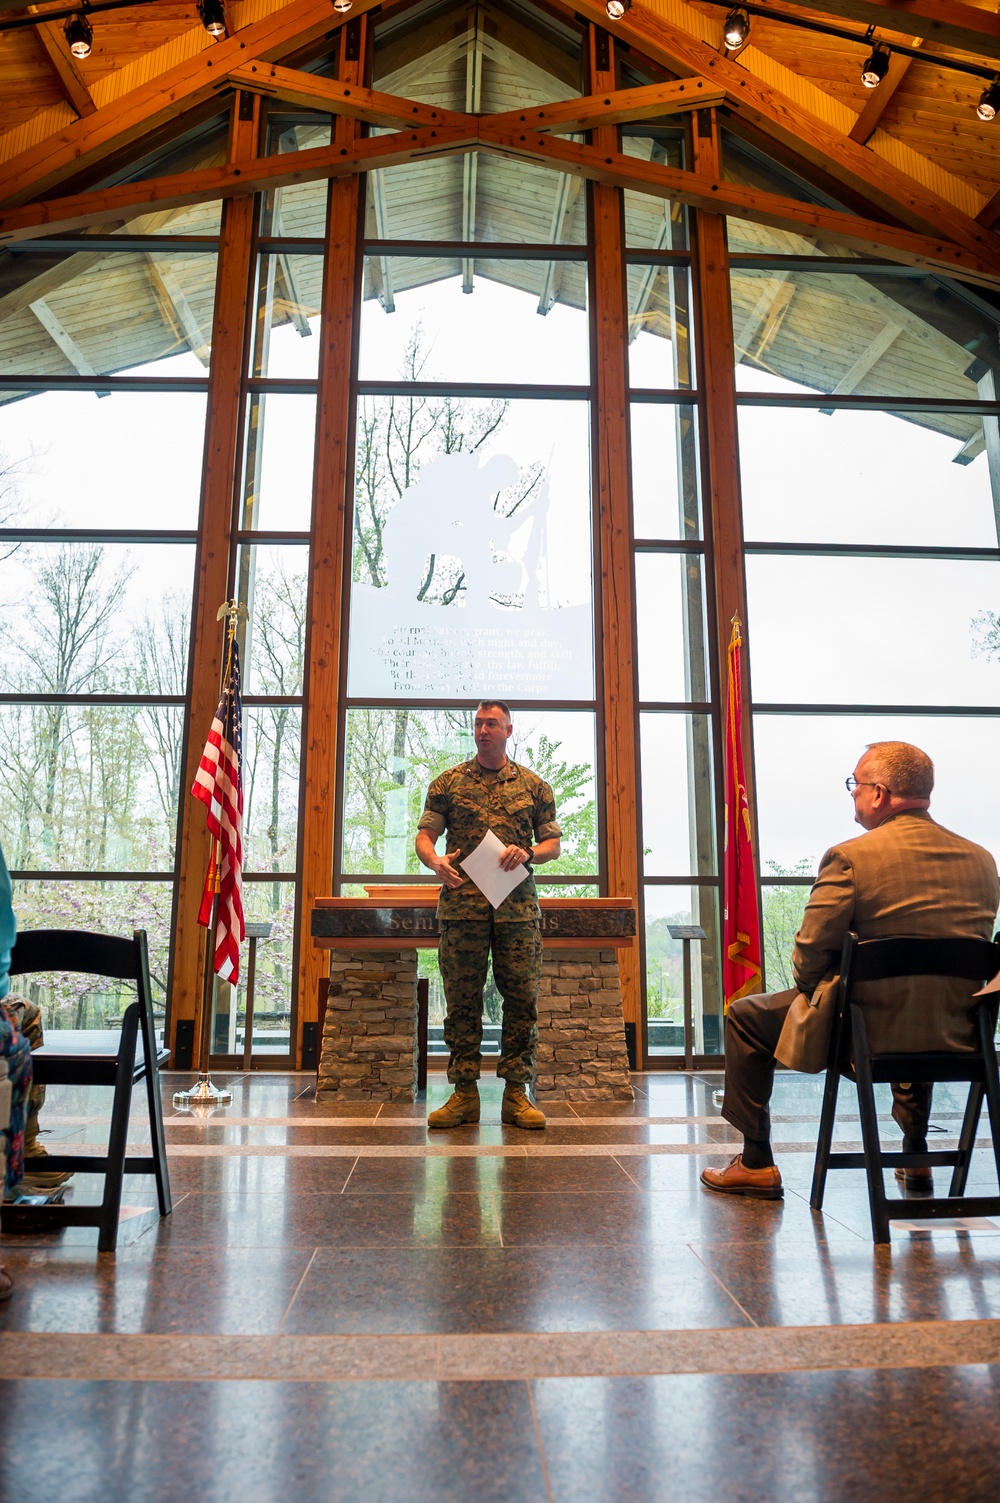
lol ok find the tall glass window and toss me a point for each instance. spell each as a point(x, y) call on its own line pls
point(105, 357)
point(871, 497)
point(472, 570)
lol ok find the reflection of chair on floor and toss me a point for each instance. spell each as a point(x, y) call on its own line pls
point(102, 1059)
point(974, 960)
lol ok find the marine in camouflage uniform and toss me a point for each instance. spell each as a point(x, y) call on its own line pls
point(518, 806)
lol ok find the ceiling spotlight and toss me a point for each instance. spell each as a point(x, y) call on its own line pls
point(617, 8)
point(989, 103)
point(79, 35)
point(342, 6)
point(736, 29)
point(875, 68)
point(213, 17)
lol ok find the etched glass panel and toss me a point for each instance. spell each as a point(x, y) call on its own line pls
point(472, 568)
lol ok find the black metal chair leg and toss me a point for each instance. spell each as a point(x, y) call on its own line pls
point(118, 1134)
point(967, 1138)
point(987, 1038)
point(869, 1128)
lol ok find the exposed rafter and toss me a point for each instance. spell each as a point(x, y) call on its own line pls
point(865, 362)
point(880, 99)
point(620, 107)
point(171, 295)
point(53, 43)
point(782, 120)
point(61, 337)
point(605, 166)
point(87, 142)
point(943, 21)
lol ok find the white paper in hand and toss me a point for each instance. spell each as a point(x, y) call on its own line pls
point(483, 866)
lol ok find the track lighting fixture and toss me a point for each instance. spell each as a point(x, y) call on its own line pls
point(736, 29)
point(342, 6)
point(79, 35)
point(876, 67)
point(989, 102)
point(213, 17)
point(617, 8)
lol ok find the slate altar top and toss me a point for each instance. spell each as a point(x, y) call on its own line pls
point(403, 918)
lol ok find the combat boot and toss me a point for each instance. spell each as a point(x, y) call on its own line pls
point(518, 1110)
point(37, 1181)
point(461, 1107)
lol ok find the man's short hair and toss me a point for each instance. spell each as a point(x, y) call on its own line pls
point(494, 704)
point(904, 769)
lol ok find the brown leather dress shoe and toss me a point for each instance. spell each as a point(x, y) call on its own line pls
point(916, 1179)
point(6, 1284)
point(736, 1179)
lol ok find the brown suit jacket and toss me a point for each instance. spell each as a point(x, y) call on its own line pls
point(909, 876)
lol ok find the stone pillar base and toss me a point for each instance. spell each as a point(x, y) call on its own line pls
point(370, 1034)
point(581, 1029)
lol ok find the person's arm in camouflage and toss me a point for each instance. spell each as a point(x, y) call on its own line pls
point(548, 843)
point(433, 823)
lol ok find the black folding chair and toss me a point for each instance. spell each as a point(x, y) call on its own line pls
point(107, 1060)
point(851, 1057)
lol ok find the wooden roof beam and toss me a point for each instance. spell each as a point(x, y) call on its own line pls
point(53, 43)
point(83, 145)
point(944, 22)
point(613, 168)
point(720, 196)
point(62, 338)
point(864, 363)
point(311, 92)
point(780, 118)
point(880, 99)
point(171, 293)
point(128, 200)
point(758, 314)
point(618, 107)
point(990, 212)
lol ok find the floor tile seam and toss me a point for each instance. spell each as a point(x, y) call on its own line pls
point(575, 1120)
point(724, 1287)
point(298, 1286)
point(543, 1459)
point(716, 1149)
point(508, 1356)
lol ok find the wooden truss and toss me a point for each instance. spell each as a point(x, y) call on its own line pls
point(524, 135)
point(899, 218)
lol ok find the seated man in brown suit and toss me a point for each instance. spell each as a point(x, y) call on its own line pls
point(906, 876)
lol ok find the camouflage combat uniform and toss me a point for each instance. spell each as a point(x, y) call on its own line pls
point(519, 808)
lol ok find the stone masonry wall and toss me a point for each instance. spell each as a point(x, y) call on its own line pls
point(370, 1033)
point(581, 1029)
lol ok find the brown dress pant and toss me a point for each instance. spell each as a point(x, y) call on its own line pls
point(753, 1028)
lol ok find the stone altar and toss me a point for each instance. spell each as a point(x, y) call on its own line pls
point(369, 1046)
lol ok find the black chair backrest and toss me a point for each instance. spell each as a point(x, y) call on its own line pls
point(881, 959)
point(77, 950)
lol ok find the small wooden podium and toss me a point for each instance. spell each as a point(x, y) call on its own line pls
point(369, 1049)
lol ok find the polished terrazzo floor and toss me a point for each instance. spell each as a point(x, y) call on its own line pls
point(343, 1306)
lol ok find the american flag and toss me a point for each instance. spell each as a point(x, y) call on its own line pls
point(218, 784)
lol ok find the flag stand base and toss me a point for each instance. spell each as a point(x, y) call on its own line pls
point(203, 1094)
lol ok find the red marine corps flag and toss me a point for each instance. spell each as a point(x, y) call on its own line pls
point(218, 784)
point(741, 973)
